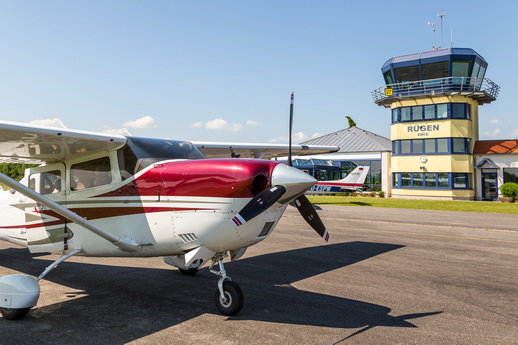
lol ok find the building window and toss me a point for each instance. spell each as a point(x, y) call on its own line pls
point(406, 74)
point(405, 180)
point(430, 146)
point(448, 181)
point(460, 68)
point(442, 111)
point(442, 145)
point(511, 175)
point(460, 145)
point(406, 114)
point(435, 70)
point(443, 180)
point(406, 147)
point(417, 180)
point(431, 112)
point(430, 180)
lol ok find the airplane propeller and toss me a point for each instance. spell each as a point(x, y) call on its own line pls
point(311, 216)
point(262, 201)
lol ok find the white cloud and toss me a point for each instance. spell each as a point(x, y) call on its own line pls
point(316, 135)
point(196, 124)
point(295, 138)
point(55, 122)
point(515, 133)
point(495, 122)
point(253, 123)
point(222, 125)
point(118, 131)
point(143, 122)
point(493, 133)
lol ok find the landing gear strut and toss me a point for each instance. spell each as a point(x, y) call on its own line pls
point(229, 296)
point(20, 292)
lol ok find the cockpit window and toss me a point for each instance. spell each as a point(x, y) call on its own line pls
point(48, 182)
point(138, 153)
point(89, 174)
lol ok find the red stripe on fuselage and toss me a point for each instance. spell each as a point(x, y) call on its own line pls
point(340, 184)
point(92, 213)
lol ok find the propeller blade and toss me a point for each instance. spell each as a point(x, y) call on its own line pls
point(307, 211)
point(290, 130)
point(260, 203)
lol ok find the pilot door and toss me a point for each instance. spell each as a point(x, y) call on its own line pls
point(46, 230)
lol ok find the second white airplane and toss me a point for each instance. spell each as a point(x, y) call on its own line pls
point(351, 183)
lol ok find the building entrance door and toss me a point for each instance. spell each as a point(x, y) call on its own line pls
point(489, 186)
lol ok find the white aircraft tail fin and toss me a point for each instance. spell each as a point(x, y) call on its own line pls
point(357, 177)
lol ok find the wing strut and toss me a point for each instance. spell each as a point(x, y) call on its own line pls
point(126, 245)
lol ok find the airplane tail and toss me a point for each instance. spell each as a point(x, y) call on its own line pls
point(356, 178)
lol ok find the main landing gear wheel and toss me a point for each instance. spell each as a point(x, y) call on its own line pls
point(231, 303)
point(14, 314)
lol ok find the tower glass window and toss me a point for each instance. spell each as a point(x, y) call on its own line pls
point(406, 74)
point(460, 68)
point(435, 70)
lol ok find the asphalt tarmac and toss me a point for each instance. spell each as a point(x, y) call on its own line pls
point(387, 276)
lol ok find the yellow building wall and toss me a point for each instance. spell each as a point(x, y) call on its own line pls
point(461, 194)
point(434, 163)
point(432, 129)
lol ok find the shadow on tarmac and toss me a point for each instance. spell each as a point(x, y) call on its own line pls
point(122, 304)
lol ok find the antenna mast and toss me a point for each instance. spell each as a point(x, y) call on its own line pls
point(441, 15)
point(432, 24)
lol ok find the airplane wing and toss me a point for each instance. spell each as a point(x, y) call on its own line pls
point(28, 144)
point(22, 143)
point(253, 150)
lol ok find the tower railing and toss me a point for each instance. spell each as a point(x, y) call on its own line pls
point(482, 89)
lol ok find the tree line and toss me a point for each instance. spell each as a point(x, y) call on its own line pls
point(15, 171)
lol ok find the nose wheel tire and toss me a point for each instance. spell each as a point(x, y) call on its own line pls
point(232, 301)
point(14, 314)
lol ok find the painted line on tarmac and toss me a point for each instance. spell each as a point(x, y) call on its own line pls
point(417, 233)
point(409, 223)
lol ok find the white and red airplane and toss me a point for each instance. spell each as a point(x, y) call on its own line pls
point(351, 183)
point(108, 195)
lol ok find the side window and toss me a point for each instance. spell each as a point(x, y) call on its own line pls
point(48, 182)
point(89, 174)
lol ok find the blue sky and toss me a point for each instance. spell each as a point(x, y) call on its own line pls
point(224, 70)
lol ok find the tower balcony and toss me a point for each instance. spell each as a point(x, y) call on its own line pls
point(481, 89)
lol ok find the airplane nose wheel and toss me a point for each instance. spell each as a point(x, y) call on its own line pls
point(229, 296)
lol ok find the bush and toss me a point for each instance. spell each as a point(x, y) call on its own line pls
point(382, 194)
point(509, 190)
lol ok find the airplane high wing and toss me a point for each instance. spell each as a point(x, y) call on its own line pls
point(109, 195)
point(252, 150)
point(22, 143)
point(26, 144)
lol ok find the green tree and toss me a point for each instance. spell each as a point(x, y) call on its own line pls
point(351, 122)
point(15, 171)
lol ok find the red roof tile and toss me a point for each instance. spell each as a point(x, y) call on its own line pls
point(496, 146)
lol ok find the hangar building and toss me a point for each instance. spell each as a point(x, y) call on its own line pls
point(357, 147)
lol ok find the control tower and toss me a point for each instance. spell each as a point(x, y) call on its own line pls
point(434, 98)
